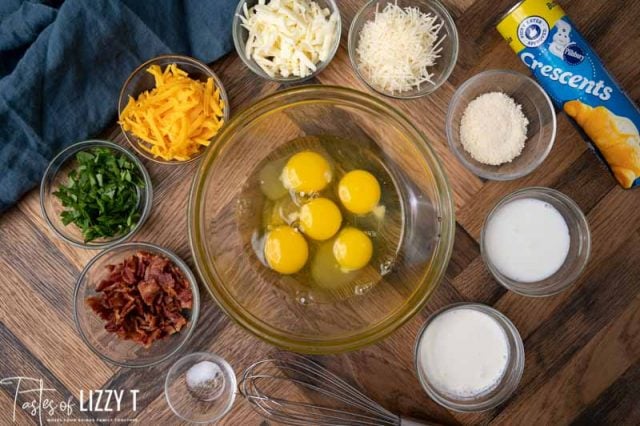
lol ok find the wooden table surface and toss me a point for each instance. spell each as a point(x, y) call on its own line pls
point(582, 346)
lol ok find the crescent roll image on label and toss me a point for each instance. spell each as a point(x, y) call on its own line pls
point(575, 78)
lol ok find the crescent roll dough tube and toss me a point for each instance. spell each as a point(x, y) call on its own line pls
point(575, 78)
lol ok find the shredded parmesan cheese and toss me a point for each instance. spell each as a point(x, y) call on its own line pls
point(289, 37)
point(397, 48)
point(178, 117)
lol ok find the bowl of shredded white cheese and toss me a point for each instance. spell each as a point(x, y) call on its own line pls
point(287, 40)
point(501, 124)
point(403, 49)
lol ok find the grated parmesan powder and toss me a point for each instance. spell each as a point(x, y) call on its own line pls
point(493, 129)
point(397, 47)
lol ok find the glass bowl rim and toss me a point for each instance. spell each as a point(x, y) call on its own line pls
point(461, 157)
point(210, 356)
point(519, 361)
point(251, 64)
point(550, 290)
point(141, 68)
point(453, 60)
point(153, 248)
point(440, 259)
point(65, 155)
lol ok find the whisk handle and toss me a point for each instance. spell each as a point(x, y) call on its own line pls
point(405, 421)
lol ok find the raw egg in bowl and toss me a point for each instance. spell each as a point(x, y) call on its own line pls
point(321, 220)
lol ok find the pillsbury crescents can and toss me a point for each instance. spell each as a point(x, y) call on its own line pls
point(575, 78)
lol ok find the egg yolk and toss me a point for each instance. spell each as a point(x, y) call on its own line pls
point(307, 172)
point(359, 191)
point(320, 219)
point(352, 249)
point(327, 272)
point(285, 250)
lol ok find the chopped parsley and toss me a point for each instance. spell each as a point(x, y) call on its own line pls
point(101, 194)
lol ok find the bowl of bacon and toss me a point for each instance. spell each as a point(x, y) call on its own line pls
point(136, 304)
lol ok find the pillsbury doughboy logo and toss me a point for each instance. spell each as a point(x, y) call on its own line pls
point(561, 39)
point(562, 46)
point(533, 31)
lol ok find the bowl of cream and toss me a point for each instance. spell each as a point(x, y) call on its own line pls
point(536, 241)
point(469, 357)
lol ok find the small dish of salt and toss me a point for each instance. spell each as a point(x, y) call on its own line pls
point(205, 380)
point(200, 387)
point(501, 125)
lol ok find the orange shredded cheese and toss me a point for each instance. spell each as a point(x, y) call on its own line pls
point(176, 119)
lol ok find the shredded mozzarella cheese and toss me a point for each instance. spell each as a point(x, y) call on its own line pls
point(289, 37)
point(397, 48)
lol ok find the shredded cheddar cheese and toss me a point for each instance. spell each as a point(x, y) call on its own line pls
point(176, 119)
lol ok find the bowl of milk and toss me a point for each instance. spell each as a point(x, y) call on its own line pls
point(469, 357)
point(536, 242)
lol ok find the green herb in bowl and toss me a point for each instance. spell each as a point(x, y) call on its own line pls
point(101, 194)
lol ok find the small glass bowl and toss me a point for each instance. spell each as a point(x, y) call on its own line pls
point(240, 36)
point(536, 106)
point(56, 175)
point(140, 80)
point(498, 394)
point(579, 249)
point(204, 404)
point(443, 66)
point(109, 346)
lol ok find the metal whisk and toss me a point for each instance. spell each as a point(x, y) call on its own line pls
point(273, 386)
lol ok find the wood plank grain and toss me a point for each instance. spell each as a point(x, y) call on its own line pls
point(25, 369)
point(582, 346)
point(618, 405)
point(592, 371)
point(53, 276)
point(465, 251)
point(587, 312)
point(30, 207)
point(477, 284)
point(8, 416)
point(48, 335)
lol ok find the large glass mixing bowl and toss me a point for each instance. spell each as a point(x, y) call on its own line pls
point(225, 208)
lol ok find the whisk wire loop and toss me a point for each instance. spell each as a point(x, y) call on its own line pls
point(263, 380)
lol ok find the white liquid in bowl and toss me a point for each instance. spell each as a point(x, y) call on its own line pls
point(464, 353)
point(527, 240)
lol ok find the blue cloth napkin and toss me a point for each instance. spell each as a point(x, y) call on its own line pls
point(63, 63)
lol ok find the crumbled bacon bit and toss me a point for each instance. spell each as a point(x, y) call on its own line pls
point(144, 298)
